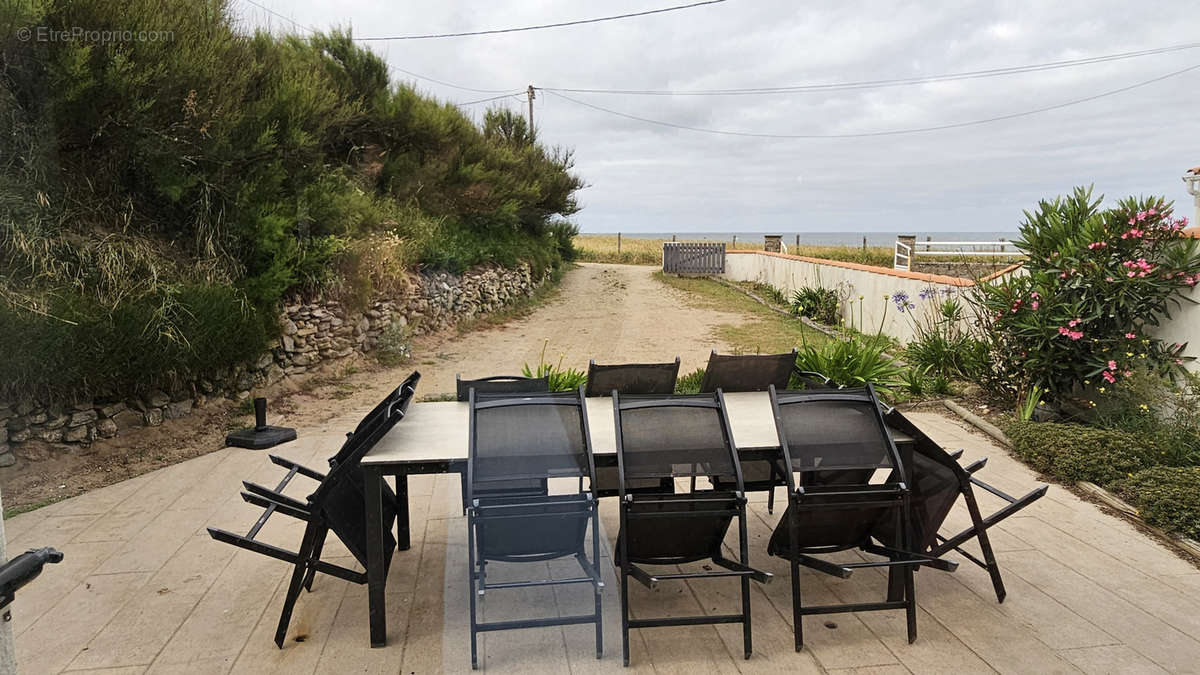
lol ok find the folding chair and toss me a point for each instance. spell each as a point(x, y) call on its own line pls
point(517, 439)
point(748, 372)
point(937, 480)
point(663, 438)
point(337, 504)
point(502, 384)
point(630, 379)
point(837, 440)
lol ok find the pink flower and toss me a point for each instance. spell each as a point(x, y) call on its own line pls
point(1074, 322)
point(1109, 279)
point(1132, 221)
point(1063, 330)
point(1131, 336)
point(1128, 373)
point(1141, 215)
point(1034, 295)
point(1152, 212)
point(1112, 365)
point(1131, 274)
point(1034, 305)
point(1075, 334)
point(1108, 377)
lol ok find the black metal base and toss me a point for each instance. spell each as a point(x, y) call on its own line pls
point(260, 438)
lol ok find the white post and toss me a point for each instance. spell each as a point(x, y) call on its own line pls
point(8, 659)
point(1192, 179)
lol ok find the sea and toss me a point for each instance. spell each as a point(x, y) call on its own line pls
point(886, 239)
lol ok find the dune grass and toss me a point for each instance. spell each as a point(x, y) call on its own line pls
point(636, 251)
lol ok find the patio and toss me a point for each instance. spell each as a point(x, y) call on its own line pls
point(144, 589)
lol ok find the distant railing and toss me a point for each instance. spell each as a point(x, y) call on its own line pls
point(693, 258)
point(904, 253)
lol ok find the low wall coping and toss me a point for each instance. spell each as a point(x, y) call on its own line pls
point(903, 274)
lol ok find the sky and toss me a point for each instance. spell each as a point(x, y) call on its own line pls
point(643, 177)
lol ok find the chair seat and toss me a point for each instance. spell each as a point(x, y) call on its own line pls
point(677, 529)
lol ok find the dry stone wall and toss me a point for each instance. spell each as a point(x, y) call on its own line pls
point(312, 333)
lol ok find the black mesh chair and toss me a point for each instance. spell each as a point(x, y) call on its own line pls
point(748, 372)
point(836, 440)
point(632, 379)
point(663, 438)
point(337, 504)
point(515, 440)
point(500, 384)
point(937, 481)
point(503, 384)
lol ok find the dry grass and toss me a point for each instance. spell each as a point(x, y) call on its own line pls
point(635, 251)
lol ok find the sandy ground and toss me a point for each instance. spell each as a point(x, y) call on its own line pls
point(610, 313)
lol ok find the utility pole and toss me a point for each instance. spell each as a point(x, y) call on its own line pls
point(531, 95)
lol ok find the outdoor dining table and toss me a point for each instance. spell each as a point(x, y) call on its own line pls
point(432, 439)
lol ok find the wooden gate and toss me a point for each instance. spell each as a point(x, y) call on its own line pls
point(691, 258)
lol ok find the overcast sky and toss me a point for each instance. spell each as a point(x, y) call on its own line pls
point(643, 177)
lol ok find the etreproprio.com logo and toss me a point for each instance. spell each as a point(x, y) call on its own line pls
point(90, 36)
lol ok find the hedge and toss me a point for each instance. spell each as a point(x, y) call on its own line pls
point(1166, 497)
point(1073, 452)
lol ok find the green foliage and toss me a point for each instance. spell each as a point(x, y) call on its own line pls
point(134, 173)
point(819, 304)
point(153, 340)
point(1166, 497)
point(942, 344)
point(853, 362)
point(1097, 281)
point(1151, 407)
point(394, 346)
point(1074, 452)
point(560, 379)
point(690, 383)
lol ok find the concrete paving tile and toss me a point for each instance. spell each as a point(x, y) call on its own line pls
point(127, 670)
point(116, 525)
point(100, 500)
point(56, 581)
point(150, 548)
point(166, 485)
point(62, 631)
point(1111, 660)
point(56, 531)
point(136, 634)
point(872, 670)
point(1149, 635)
point(347, 647)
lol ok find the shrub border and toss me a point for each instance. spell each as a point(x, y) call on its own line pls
point(1185, 544)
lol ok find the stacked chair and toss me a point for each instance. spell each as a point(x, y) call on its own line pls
point(337, 504)
point(837, 441)
point(664, 438)
point(937, 480)
point(515, 439)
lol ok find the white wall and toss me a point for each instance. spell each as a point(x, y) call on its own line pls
point(789, 273)
point(1184, 327)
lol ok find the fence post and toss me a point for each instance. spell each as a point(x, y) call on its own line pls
point(8, 662)
point(618, 243)
point(797, 242)
point(735, 241)
point(864, 243)
point(672, 238)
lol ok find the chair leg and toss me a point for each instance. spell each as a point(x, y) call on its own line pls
point(625, 614)
point(985, 545)
point(596, 587)
point(771, 500)
point(910, 609)
point(298, 572)
point(744, 545)
point(797, 607)
point(318, 545)
point(471, 586)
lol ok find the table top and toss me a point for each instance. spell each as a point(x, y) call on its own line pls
point(437, 431)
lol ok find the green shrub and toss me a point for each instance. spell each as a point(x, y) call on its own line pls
point(690, 383)
point(819, 304)
point(1074, 452)
point(1166, 497)
point(560, 379)
point(1154, 407)
point(852, 362)
point(394, 346)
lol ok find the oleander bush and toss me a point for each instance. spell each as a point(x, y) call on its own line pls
point(1166, 497)
point(1096, 281)
point(1075, 452)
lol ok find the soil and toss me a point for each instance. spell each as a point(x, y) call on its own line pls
point(610, 313)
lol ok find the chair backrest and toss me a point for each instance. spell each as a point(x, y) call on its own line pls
point(397, 399)
point(632, 378)
point(748, 372)
point(532, 436)
point(936, 480)
point(500, 384)
point(833, 435)
point(673, 436)
point(340, 496)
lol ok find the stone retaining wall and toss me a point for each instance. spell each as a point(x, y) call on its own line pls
point(312, 333)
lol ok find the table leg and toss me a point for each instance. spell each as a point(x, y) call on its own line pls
point(403, 537)
point(376, 572)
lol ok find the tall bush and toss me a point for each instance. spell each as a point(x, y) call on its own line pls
point(1095, 282)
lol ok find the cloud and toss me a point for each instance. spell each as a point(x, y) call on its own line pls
point(658, 179)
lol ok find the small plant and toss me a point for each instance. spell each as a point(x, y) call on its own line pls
point(819, 304)
point(914, 381)
point(394, 346)
point(942, 344)
point(559, 379)
point(1153, 407)
point(1074, 452)
point(1033, 398)
point(852, 363)
point(690, 383)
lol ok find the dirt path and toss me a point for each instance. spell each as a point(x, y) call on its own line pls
point(612, 313)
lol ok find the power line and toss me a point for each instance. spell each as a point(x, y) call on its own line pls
point(561, 24)
point(493, 98)
point(893, 132)
point(873, 84)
